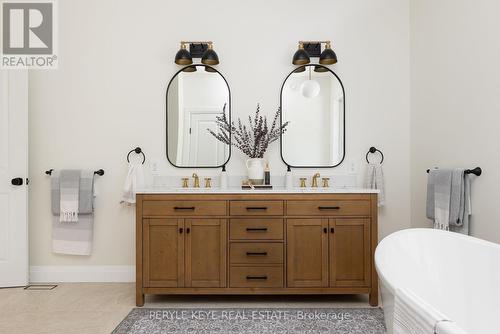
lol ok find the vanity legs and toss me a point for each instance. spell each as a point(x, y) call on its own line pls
point(139, 299)
point(373, 297)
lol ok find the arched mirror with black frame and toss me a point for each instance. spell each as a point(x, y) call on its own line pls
point(197, 96)
point(313, 101)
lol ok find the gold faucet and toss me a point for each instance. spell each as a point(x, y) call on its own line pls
point(303, 182)
point(196, 181)
point(185, 183)
point(315, 178)
point(325, 182)
point(208, 182)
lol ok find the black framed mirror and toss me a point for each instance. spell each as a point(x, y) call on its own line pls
point(312, 99)
point(196, 95)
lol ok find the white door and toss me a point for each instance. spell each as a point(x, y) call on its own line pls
point(205, 149)
point(13, 164)
point(202, 149)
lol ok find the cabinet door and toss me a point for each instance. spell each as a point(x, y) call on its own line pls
point(163, 253)
point(349, 252)
point(206, 253)
point(307, 253)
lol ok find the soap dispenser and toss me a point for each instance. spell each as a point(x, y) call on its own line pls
point(223, 178)
point(267, 175)
point(288, 178)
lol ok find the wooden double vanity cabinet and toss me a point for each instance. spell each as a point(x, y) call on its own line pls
point(254, 243)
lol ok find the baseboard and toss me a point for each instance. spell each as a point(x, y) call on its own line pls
point(61, 274)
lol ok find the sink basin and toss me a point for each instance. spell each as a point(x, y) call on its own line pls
point(194, 189)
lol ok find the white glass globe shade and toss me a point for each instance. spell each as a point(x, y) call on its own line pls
point(310, 88)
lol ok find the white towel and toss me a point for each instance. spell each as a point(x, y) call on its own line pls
point(412, 315)
point(375, 180)
point(133, 181)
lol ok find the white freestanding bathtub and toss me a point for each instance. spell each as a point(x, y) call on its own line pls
point(457, 275)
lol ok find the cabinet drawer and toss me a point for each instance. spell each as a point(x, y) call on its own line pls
point(184, 208)
point(328, 208)
point(256, 277)
point(256, 208)
point(256, 229)
point(256, 253)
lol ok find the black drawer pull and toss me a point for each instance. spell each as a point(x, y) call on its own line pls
point(256, 208)
point(332, 230)
point(181, 230)
point(326, 208)
point(251, 229)
point(180, 208)
point(263, 277)
point(256, 253)
point(325, 230)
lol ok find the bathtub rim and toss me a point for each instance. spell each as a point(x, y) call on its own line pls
point(394, 235)
point(389, 286)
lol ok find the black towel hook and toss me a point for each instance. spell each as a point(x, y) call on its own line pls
point(373, 150)
point(137, 150)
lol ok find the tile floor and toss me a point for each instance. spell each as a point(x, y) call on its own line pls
point(97, 308)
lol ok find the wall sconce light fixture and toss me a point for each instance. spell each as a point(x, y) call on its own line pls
point(311, 49)
point(301, 57)
point(203, 50)
point(183, 56)
point(210, 57)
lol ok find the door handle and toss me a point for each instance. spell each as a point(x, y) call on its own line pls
point(18, 181)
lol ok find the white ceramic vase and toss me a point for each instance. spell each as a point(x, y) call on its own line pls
point(255, 167)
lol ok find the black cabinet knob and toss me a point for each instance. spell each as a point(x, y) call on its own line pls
point(18, 181)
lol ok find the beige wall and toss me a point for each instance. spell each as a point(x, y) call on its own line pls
point(455, 108)
point(116, 58)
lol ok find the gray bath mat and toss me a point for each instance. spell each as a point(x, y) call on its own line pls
point(256, 320)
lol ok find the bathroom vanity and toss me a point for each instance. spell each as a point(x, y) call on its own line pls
point(212, 241)
point(256, 242)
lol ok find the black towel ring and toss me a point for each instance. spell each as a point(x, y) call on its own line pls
point(373, 150)
point(137, 150)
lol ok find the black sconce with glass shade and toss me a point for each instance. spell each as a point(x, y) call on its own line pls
point(203, 50)
point(312, 49)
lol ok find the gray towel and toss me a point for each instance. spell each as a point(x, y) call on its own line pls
point(69, 181)
point(448, 199)
point(460, 214)
point(86, 192)
point(73, 238)
point(442, 194)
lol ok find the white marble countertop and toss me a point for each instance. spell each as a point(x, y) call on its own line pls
point(275, 190)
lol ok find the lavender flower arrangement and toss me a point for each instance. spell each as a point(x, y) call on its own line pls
point(254, 140)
